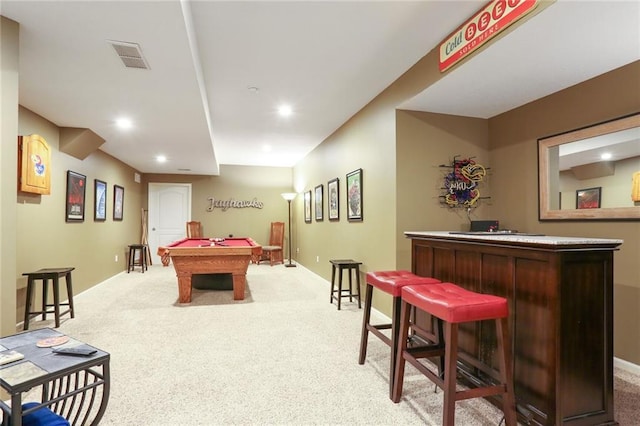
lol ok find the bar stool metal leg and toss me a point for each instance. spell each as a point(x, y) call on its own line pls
point(339, 286)
point(130, 263)
point(27, 306)
point(56, 299)
point(349, 271)
point(450, 367)
point(45, 294)
point(70, 294)
point(358, 285)
point(143, 256)
point(333, 282)
point(366, 319)
point(398, 380)
point(506, 373)
point(395, 340)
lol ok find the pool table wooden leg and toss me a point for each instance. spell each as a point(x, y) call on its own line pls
point(239, 284)
point(184, 288)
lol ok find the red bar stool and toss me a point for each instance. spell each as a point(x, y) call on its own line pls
point(454, 305)
point(390, 282)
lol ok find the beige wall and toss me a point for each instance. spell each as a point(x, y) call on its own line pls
point(9, 59)
point(425, 142)
point(399, 152)
point(368, 141)
point(361, 144)
point(514, 152)
point(46, 240)
point(420, 142)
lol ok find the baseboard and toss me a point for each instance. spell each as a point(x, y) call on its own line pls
point(20, 325)
point(374, 312)
point(627, 366)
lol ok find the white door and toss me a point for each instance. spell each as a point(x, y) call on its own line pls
point(169, 212)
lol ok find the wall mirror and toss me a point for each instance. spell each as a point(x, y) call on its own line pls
point(591, 173)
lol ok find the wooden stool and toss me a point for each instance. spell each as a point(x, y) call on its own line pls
point(45, 275)
point(141, 249)
point(390, 282)
point(454, 305)
point(341, 265)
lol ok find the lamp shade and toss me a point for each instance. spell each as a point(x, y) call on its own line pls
point(289, 195)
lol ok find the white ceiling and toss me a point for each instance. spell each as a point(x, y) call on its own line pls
point(326, 58)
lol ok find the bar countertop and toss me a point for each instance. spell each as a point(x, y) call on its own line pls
point(500, 237)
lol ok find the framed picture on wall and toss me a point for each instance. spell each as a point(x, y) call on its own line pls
point(588, 198)
point(354, 196)
point(319, 202)
point(333, 199)
point(76, 189)
point(100, 200)
point(307, 206)
point(118, 202)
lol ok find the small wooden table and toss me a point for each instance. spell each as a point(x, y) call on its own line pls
point(45, 275)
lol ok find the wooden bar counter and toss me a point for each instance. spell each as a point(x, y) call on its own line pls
point(560, 293)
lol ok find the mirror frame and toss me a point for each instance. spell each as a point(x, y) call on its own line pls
point(616, 213)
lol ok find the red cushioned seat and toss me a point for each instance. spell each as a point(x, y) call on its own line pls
point(454, 304)
point(392, 281)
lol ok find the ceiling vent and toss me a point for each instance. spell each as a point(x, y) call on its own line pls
point(130, 54)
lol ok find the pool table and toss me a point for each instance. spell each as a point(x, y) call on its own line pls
point(210, 256)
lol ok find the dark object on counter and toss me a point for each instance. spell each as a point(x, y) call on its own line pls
point(484, 225)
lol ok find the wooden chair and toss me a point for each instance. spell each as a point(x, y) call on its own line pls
point(273, 252)
point(194, 230)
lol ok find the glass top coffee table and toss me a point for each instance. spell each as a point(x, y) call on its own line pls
point(75, 387)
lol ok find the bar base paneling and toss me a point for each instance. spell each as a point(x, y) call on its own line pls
point(560, 293)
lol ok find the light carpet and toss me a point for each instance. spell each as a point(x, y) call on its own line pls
point(283, 356)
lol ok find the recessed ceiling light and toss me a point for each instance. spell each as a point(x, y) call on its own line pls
point(285, 110)
point(124, 123)
point(161, 159)
point(606, 156)
point(266, 148)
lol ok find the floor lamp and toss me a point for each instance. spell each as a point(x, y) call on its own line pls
point(289, 196)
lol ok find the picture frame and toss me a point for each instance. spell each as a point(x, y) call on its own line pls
point(319, 202)
point(75, 201)
point(100, 200)
point(333, 199)
point(354, 196)
point(118, 202)
point(307, 207)
point(588, 198)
